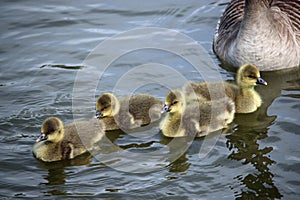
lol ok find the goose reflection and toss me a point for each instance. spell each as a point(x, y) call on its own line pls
point(182, 164)
point(57, 175)
point(144, 150)
point(178, 151)
point(251, 128)
point(244, 146)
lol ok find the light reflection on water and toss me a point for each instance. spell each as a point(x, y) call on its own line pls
point(42, 47)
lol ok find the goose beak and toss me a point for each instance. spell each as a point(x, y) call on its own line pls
point(99, 114)
point(41, 137)
point(261, 81)
point(165, 109)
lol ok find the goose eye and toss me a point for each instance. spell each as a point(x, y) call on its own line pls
point(49, 131)
point(251, 76)
point(104, 108)
point(175, 102)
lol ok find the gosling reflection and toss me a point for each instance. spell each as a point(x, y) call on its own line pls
point(244, 146)
point(177, 155)
point(57, 175)
point(279, 80)
point(244, 142)
point(181, 164)
point(137, 152)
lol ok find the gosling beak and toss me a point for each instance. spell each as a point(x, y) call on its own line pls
point(41, 137)
point(99, 114)
point(165, 109)
point(261, 81)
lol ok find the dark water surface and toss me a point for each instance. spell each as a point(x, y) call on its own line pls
point(43, 46)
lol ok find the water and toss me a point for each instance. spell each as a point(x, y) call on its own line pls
point(43, 46)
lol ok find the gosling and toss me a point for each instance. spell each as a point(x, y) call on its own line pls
point(127, 112)
point(190, 117)
point(243, 93)
point(58, 142)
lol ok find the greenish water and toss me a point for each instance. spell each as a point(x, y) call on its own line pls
point(43, 46)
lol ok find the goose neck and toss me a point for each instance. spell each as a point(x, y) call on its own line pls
point(254, 5)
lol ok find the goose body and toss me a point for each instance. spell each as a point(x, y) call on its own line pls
point(58, 142)
point(127, 112)
point(265, 33)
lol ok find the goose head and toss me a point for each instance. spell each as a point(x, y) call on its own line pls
point(174, 102)
point(107, 105)
point(52, 130)
point(248, 76)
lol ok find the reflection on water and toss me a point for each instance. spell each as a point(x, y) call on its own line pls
point(182, 164)
point(56, 176)
point(244, 142)
point(62, 66)
point(177, 153)
point(278, 81)
point(261, 156)
point(56, 170)
point(244, 146)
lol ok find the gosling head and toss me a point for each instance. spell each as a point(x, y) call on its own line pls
point(106, 105)
point(248, 76)
point(52, 130)
point(173, 102)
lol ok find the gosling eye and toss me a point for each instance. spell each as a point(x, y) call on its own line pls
point(175, 102)
point(251, 76)
point(104, 108)
point(49, 131)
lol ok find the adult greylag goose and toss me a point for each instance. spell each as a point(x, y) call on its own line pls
point(265, 33)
